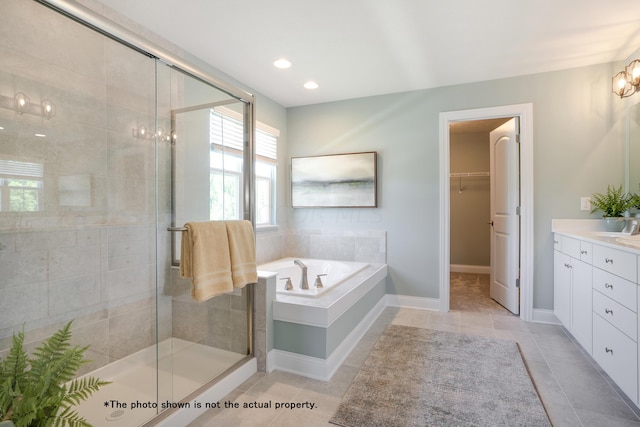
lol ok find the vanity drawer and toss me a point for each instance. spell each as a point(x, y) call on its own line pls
point(571, 247)
point(617, 354)
point(578, 249)
point(586, 252)
point(616, 314)
point(616, 288)
point(620, 263)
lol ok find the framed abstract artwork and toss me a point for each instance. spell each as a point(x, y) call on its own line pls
point(334, 181)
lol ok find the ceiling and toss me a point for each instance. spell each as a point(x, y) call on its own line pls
point(357, 48)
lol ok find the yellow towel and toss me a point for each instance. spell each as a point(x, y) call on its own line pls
point(242, 247)
point(205, 258)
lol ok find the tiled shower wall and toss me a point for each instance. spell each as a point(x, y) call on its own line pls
point(88, 252)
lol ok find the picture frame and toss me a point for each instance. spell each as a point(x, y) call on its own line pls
point(335, 181)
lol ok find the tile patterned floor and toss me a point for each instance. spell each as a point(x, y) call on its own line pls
point(573, 389)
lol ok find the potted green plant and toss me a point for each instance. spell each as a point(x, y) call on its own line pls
point(613, 204)
point(40, 390)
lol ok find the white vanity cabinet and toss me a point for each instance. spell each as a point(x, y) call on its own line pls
point(596, 299)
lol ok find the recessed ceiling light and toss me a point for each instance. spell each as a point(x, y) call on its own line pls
point(282, 63)
point(40, 135)
point(311, 85)
point(1, 128)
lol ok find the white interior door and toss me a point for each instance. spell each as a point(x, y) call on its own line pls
point(505, 221)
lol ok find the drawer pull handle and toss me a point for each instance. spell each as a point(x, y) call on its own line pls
point(608, 311)
point(583, 252)
point(608, 286)
point(608, 260)
point(608, 350)
point(568, 265)
point(555, 242)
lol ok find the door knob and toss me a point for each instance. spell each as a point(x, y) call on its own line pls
point(490, 223)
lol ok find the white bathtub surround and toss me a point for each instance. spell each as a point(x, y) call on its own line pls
point(314, 334)
point(323, 369)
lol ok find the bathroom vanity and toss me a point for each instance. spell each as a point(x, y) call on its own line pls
point(596, 277)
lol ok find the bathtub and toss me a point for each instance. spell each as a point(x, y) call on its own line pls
point(332, 274)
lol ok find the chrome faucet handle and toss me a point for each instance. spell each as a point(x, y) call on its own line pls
point(287, 286)
point(318, 282)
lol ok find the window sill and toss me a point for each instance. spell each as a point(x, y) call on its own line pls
point(264, 228)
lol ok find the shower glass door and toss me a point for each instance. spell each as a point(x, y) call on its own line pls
point(203, 180)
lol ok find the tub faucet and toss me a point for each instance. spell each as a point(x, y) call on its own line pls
point(304, 283)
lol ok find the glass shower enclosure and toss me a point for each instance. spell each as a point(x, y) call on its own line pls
point(104, 155)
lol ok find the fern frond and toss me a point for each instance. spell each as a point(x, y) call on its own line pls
point(51, 349)
point(15, 365)
point(613, 203)
point(33, 390)
point(82, 388)
point(67, 417)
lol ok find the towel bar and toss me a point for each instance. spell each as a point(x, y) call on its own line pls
point(177, 229)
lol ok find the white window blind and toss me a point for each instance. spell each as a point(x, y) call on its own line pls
point(226, 133)
point(21, 169)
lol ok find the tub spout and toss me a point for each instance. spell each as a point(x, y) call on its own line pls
point(304, 283)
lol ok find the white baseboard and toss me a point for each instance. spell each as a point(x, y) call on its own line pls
point(477, 269)
point(541, 315)
point(406, 301)
point(323, 369)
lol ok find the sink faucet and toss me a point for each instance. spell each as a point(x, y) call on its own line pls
point(304, 284)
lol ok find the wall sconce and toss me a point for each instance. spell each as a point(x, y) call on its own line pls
point(627, 82)
point(48, 109)
point(141, 132)
point(21, 104)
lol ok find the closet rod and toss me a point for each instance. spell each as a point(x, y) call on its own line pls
point(468, 174)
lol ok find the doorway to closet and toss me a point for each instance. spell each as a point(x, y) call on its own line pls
point(476, 245)
point(524, 113)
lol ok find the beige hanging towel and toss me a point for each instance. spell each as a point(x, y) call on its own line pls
point(242, 247)
point(206, 260)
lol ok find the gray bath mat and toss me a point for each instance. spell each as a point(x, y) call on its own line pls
point(421, 377)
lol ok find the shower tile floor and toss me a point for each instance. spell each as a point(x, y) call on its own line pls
point(182, 367)
point(573, 389)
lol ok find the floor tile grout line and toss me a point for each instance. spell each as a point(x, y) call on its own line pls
point(555, 377)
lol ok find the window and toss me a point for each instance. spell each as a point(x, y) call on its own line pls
point(21, 186)
point(226, 137)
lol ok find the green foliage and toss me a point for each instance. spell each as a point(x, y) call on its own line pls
point(34, 390)
point(612, 204)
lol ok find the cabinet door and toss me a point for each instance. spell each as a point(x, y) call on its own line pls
point(562, 288)
point(582, 295)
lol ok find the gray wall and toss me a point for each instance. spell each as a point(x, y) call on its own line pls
point(578, 150)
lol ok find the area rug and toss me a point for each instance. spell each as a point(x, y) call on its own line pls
point(421, 377)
